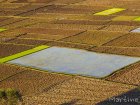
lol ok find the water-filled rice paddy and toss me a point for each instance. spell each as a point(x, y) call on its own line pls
point(73, 61)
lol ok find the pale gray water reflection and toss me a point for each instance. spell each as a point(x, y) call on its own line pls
point(74, 61)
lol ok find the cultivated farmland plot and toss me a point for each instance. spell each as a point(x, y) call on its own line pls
point(95, 38)
point(83, 89)
point(128, 41)
point(9, 49)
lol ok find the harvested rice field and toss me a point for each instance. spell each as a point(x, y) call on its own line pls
point(9, 49)
point(124, 76)
point(81, 92)
point(67, 26)
point(129, 51)
point(119, 28)
point(70, 52)
point(28, 41)
point(131, 40)
point(29, 81)
point(95, 38)
point(68, 44)
point(12, 70)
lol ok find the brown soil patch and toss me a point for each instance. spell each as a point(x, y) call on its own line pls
point(10, 49)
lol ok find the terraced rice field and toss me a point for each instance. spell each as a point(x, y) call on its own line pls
point(53, 51)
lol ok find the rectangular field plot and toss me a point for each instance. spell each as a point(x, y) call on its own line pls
point(129, 51)
point(125, 23)
point(10, 49)
point(28, 41)
point(48, 34)
point(129, 40)
point(74, 61)
point(66, 26)
point(118, 28)
point(93, 37)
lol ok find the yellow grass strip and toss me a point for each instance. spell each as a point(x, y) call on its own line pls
point(110, 11)
point(21, 54)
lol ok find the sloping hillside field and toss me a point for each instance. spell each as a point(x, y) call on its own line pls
point(69, 52)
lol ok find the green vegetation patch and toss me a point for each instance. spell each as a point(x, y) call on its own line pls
point(2, 29)
point(124, 18)
point(110, 11)
point(137, 19)
point(21, 54)
point(9, 96)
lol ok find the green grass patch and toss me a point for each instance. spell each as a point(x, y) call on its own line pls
point(137, 19)
point(9, 96)
point(2, 29)
point(2, 93)
point(110, 11)
point(21, 54)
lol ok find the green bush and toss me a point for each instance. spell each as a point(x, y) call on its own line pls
point(2, 93)
point(10, 93)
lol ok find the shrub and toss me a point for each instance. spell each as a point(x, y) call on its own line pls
point(2, 93)
point(10, 93)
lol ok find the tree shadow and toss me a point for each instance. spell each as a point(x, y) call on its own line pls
point(71, 102)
